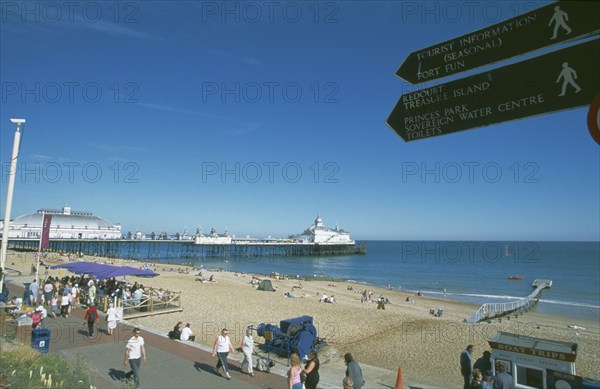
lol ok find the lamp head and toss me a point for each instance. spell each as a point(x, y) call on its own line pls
point(17, 121)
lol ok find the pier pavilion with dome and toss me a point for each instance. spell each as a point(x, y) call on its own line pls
point(65, 224)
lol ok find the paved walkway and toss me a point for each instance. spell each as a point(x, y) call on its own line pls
point(171, 363)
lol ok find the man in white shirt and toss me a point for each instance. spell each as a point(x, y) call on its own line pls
point(33, 292)
point(186, 333)
point(134, 352)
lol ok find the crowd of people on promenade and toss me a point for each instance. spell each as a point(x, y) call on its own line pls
point(298, 376)
point(62, 295)
point(67, 289)
point(307, 376)
point(479, 375)
point(58, 297)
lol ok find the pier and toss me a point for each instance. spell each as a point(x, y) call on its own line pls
point(184, 251)
point(490, 311)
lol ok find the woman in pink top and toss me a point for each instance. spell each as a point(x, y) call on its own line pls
point(294, 381)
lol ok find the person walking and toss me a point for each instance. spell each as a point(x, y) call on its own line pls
point(64, 306)
point(466, 366)
point(74, 296)
point(54, 310)
point(33, 292)
point(91, 315)
point(311, 369)
point(248, 349)
point(36, 318)
point(91, 293)
point(354, 371)
point(134, 353)
point(221, 349)
point(111, 318)
point(294, 380)
point(48, 291)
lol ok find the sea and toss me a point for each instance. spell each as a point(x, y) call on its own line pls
point(471, 271)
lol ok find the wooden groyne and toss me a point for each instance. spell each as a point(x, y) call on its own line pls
point(497, 310)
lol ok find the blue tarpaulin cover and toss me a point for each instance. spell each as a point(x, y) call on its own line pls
point(101, 271)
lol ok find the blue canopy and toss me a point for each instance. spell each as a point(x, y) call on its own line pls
point(101, 271)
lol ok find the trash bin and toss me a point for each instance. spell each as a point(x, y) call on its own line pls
point(40, 340)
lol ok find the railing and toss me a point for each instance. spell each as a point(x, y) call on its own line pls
point(493, 310)
point(151, 304)
point(155, 302)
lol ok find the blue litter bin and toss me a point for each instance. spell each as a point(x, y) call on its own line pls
point(40, 340)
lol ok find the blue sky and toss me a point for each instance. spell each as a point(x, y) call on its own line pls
point(255, 117)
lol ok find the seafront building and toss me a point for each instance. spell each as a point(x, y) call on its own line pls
point(69, 224)
point(66, 224)
point(78, 225)
point(213, 238)
point(318, 233)
point(85, 233)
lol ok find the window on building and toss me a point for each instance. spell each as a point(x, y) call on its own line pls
point(530, 377)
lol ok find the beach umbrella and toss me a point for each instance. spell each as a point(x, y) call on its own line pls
point(81, 267)
point(101, 271)
point(117, 271)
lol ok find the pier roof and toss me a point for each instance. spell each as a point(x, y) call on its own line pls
point(64, 218)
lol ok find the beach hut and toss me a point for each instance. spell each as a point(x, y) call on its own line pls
point(266, 285)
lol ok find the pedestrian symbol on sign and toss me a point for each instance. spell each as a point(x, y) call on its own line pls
point(568, 75)
point(560, 20)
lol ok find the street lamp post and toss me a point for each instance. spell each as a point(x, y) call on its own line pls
point(9, 195)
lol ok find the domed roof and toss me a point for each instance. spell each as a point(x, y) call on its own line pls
point(318, 220)
point(64, 218)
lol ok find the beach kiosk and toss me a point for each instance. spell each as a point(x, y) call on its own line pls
point(535, 362)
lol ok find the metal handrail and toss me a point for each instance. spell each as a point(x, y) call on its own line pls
point(491, 310)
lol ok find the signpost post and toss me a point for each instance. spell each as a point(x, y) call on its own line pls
point(564, 79)
point(554, 23)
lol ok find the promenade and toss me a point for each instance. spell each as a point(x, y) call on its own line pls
point(172, 363)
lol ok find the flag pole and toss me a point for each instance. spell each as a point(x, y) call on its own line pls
point(9, 196)
point(39, 253)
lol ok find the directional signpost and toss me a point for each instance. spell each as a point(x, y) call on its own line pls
point(554, 23)
point(560, 80)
